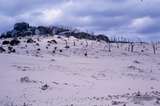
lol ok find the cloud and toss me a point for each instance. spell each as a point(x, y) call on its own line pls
point(145, 25)
point(17, 7)
point(131, 18)
point(6, 23)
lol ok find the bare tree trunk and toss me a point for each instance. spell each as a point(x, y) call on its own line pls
point(74, 43)
point(66, 42)
point(129, 47)
point(109, 46)
point(154, 47)
point(86, 43)
point(86, 53)
point(117, 45)
point(132, 47)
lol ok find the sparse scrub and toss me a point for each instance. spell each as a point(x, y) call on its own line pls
point(80, 66)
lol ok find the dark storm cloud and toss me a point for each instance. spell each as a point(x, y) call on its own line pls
point(132, 17)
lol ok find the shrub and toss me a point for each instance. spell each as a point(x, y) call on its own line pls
point(53, 51)
point(25, 79)
point(86, 54)
point(27, 33)
point(30, 40)
point(38, 49)
point(52, 42)
point(11, 49)
point(37, 44)
point(22, 26)
point(55, 48)
point(2, 50)
point(60, 50)
point(103, 38)
point(67, 47)
point(5, 42)
point(14, 42)
point(59, 37)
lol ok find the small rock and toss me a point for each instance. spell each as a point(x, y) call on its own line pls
point(25, 79)
point(45, 87)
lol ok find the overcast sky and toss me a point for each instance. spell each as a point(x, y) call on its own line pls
point(130, 18)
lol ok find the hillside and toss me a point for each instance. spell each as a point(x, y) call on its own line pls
point(66, 71)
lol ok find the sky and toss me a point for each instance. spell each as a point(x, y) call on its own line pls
point(134, 19)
